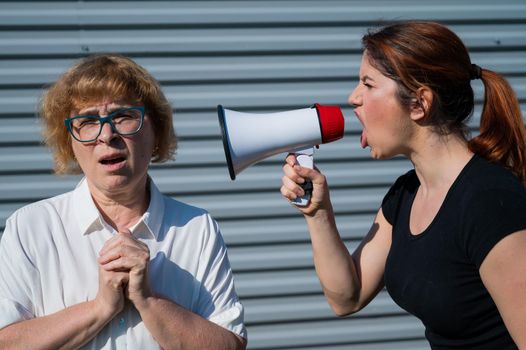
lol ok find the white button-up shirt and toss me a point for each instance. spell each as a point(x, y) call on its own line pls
point(48, 261)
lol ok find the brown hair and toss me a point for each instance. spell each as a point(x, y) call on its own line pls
point(427, 54)
point(93, 79)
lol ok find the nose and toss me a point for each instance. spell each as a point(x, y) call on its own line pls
point(355, 98)
point(107, 133)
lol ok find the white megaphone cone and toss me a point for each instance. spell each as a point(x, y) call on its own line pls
point(249, 138)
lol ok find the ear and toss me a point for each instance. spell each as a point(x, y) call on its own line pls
point(421, 103)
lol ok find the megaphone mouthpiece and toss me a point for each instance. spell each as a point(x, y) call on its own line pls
point(331, 122)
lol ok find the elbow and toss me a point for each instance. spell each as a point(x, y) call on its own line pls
point(344, 310)
point(343, 304)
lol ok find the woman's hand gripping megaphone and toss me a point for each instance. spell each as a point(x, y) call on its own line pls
point(293, 186)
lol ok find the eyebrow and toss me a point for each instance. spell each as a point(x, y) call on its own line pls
point(94, 111)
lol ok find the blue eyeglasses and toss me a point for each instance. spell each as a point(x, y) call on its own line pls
point(87, 128)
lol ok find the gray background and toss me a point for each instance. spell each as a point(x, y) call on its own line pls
point(255, 56)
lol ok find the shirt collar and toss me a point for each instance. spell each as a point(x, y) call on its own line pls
point(90, 220)
point(151, 221)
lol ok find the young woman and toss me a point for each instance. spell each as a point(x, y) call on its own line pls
point(449, 240)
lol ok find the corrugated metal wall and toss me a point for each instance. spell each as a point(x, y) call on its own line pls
point(255, 56)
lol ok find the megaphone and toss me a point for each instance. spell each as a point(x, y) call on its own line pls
point(251, 137)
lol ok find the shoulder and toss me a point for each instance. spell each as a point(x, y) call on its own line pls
point(486, 182)
point(189, 217)
point(489, 175)
point(490, 192)
point(390, 203)
point(194, 226)
point(41, 211)
point(183, 212)
point(38, 218)
point(408, 180)
point(491, 205)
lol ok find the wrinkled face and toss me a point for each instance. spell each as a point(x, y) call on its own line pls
point(114, 164)
point(386, 124)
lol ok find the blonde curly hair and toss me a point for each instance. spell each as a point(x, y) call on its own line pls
point(96, 78)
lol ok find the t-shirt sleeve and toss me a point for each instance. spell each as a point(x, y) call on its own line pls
point(493, 214)
point(391, 200)
point(218, 301)
point(17, 275)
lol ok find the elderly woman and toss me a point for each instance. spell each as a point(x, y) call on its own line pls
point(114, 264)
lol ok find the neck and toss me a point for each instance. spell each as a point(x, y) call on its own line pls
point(438, 160)
point(122, 210)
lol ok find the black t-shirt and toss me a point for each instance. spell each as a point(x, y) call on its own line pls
point(434, 275)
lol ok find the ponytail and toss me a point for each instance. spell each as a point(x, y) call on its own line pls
point(502, 137)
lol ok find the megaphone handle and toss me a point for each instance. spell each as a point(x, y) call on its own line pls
point(305, 159)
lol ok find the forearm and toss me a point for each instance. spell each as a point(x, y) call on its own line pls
point(174, 327)
point(66, 329)
point(334, 265)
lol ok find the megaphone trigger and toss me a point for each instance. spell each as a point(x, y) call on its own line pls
point(305, 158)
point(307, 187)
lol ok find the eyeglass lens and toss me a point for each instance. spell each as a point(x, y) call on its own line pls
point(125, 122)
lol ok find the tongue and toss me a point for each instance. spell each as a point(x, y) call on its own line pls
point(363, 139)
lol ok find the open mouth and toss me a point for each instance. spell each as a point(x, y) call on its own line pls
point(112, 160)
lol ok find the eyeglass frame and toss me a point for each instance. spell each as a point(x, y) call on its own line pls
point(103, 120)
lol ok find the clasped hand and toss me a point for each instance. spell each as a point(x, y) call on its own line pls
point(123, 272)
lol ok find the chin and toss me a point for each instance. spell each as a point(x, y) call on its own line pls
point(116, 180)
point(375, 154)
point(385, 152)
